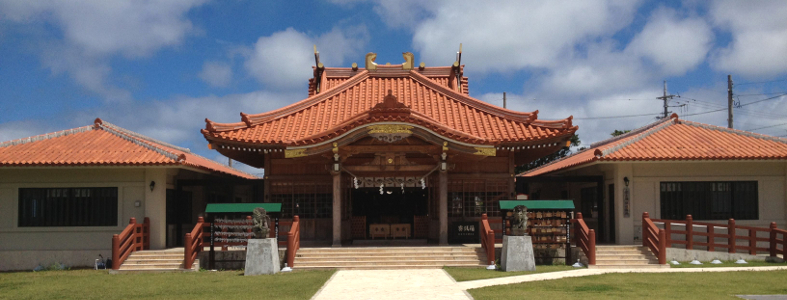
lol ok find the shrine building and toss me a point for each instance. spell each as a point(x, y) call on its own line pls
point(388, 144)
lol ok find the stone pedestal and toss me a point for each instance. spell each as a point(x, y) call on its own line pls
point(517, 254)
point(262, 257)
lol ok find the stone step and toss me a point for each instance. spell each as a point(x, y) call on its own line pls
point(154, 261)
point(622, 252)
point(341, 249)
point(626, 261)
point(405, 252)
point(152, 266)
point(623, 256)
point(351, 254)
point(648, 266)
point(134, 271)
point(389, 267)
point(386, 258)
point(386, 263)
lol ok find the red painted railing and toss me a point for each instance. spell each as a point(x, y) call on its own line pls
point(654, 238)
point(134, 238)
point(488, 239)
point(193, 243)
point(293, 240)
point(728, 239)
point(776, 241)
point(585, 238)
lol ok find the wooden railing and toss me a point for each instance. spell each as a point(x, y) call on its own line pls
point(134, 238)
point(585, 238)
point(293, 240)
point(193, 243)
point(776, 241)
point(754, 238)
point(488, 239)
point(654, 238)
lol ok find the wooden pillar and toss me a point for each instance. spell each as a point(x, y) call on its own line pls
point(443, 208)
point(337, 209)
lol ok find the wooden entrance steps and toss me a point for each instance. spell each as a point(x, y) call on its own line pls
point(155, 261)
point(382, 258)
point(625, 257)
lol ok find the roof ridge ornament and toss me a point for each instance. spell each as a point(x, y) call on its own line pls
point(409, 59)
point(370, 64)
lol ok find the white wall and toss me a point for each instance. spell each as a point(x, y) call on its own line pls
point(26, 247)
point(645, 189)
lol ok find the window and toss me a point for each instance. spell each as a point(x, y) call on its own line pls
point(305, 199)
point(472, 198)
point(710, 200)
point(47, 207)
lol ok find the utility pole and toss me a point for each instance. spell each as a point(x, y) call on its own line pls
point(665, 98)
point(229, 162)
point(504, 99)
point(729, 101)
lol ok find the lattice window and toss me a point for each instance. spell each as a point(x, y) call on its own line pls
point(305, 199)
point(68, 207)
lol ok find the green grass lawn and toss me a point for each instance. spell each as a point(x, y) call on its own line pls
point(721, 285)
point(464, 274)
point(90, 284)
point(705, 264)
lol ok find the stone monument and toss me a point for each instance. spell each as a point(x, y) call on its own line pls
point(518, 247)
point(262, 253)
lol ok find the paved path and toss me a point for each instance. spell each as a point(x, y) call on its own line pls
point(437, 284)
point(391, 284)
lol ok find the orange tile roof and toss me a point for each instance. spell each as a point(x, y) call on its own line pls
point(103, 144)
point(346, 104)
point(675, 139)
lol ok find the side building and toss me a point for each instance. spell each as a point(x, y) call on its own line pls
point(670, 169)
point(64, 194)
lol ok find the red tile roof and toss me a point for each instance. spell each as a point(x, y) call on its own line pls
point(103, 144)
point(675, 139)
point(347, 103)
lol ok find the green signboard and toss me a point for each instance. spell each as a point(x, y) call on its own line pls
point(538, 204)
point(242, 207)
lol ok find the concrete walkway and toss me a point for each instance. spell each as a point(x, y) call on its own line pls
point(437, 284)
point(391, 284)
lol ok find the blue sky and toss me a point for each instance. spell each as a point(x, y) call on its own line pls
point(161, 67)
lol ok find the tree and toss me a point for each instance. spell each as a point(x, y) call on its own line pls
point(619, 132)
point(575, 142)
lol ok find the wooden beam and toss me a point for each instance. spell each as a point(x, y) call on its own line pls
point(416, 168)
point(428, 149)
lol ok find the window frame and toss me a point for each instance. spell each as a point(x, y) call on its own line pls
point(709, 200)
point(52, 207)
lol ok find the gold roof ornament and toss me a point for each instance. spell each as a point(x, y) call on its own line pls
point(370, 64)
point(409, 58)
point(485, 151)
point(292, 153)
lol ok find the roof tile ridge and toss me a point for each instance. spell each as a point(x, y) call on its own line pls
point(448, 128)
point(180, 158)
point(100, 122)
point(481, 105)
point(212, 126)
point(254, 119)
point(226, 166)
point(559, 160)
point(735, 131)
point(562, 123)
point(46, 136)
point(637, 136)
point(631, 133)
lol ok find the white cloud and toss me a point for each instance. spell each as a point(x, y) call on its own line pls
point(675, 45)
point(93, 31)
point(512, 35)
point(283, 60)
point(216, 74)
point(759, 37)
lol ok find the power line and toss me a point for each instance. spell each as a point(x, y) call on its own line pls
point(762, 82)
point(770, 98)
point(753, 129)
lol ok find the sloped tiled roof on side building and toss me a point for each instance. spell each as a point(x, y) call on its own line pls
point(103, 144)
point(672, 139)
